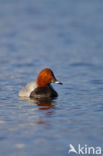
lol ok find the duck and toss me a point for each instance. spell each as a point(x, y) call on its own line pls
point(41, 88)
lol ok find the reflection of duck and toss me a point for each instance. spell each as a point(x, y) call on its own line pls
point(41, 88)
point(46, 105)
point(43, 103)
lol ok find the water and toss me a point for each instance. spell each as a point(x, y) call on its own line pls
point(67, 37)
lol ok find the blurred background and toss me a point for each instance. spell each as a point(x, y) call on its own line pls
point(66, 36)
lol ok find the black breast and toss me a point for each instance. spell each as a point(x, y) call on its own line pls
point(43, 92)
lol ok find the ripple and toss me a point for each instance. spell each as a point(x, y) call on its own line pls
point(20, 146)
point(82, 64)
point(97, 82)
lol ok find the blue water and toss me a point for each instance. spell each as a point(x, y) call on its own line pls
point(66, 36)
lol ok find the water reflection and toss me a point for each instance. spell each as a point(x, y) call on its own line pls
point(43, 104)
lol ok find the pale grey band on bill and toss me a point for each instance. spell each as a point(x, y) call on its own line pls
point(57, 82)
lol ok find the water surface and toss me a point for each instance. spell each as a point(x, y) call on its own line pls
point(66, 36)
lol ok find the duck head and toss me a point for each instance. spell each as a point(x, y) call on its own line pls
point(46, 77)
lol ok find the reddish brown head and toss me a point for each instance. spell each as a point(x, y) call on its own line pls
point(46, 77)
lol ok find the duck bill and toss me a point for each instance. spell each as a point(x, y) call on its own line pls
point(57, 82)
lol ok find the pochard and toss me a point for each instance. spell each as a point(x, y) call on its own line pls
point(41, 88)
